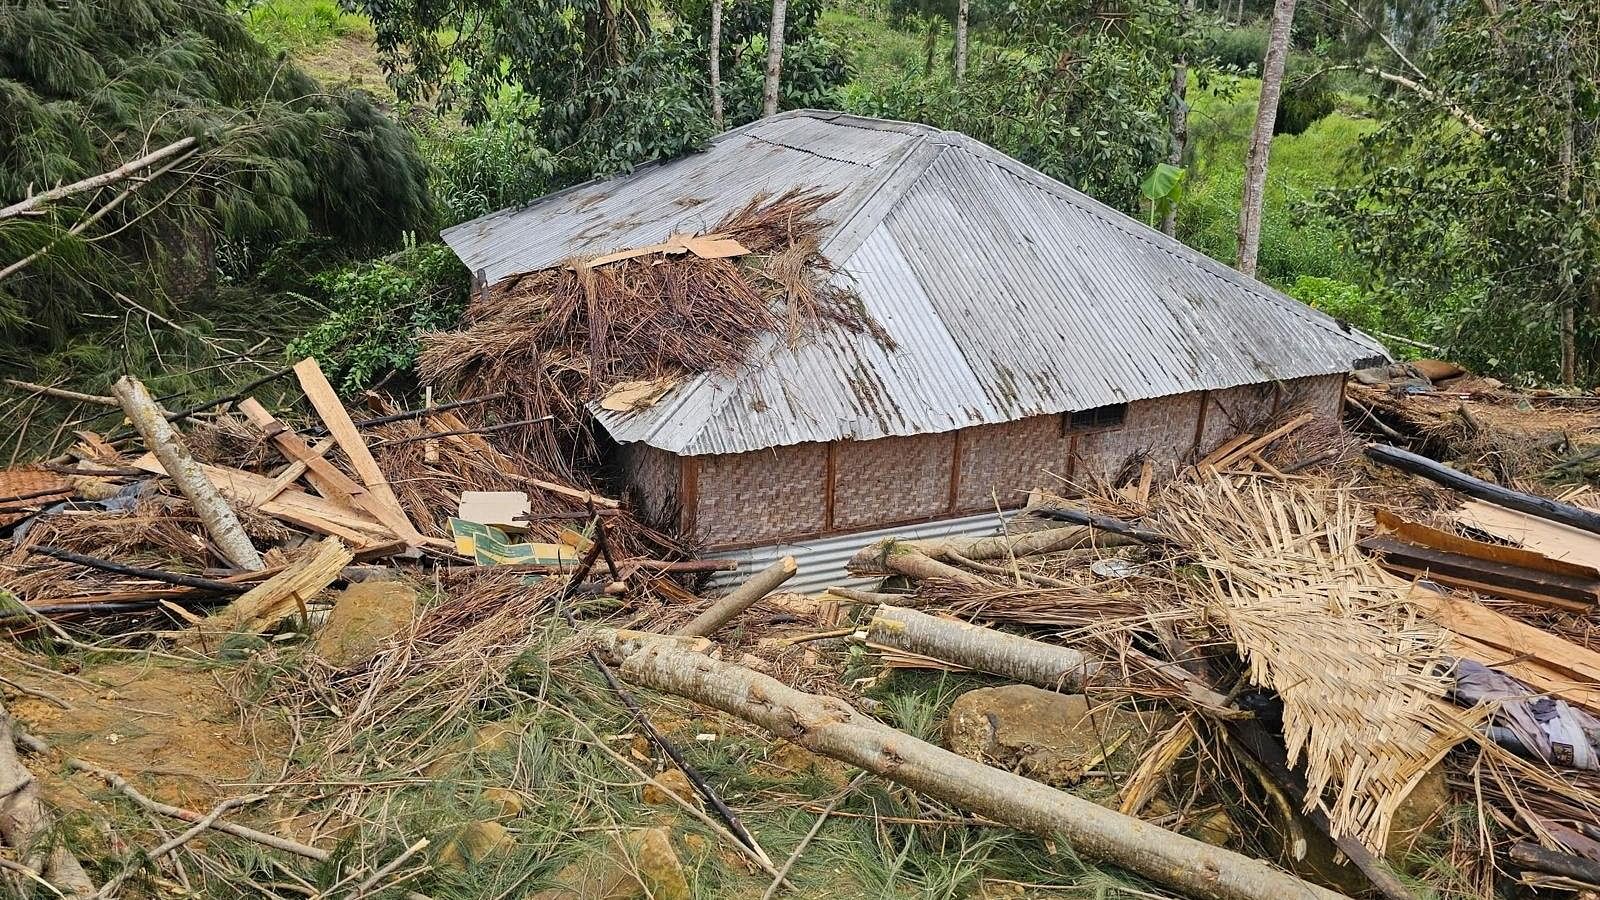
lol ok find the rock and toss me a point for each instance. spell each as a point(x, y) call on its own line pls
point(1217, 829)
point(483, 739)
point(509, 802)
point(365, 616)
point(672, 781)
point(651, 871)
point(475, 842)
point(1437, 369)
point(1049, 737)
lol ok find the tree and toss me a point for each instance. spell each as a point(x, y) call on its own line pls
point(1178, 115)
point(963, 9)
point(716, 64)
point(1074, 89)
point(1478, 195)
point(266, 154)
point(769, 90)
point(1255, 168)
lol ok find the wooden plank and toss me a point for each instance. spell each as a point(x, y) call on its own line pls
point(1530, 671)
point(296, 507)
point(1224, 451)
point(1543, 588)
point(292, 472)
point(1554, 540)
point(1480, 623)
point(343, 430)
point(331, 483)
point(1406, 461)
point(1262, 442)
point(1417, 533)
point(1482, 587)
point(452, 422)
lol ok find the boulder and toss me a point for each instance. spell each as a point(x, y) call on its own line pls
point(1049, 737)
point(365, 616)
point(672, 781)
point(507, 801)
point(472, 844)
point(650, 871)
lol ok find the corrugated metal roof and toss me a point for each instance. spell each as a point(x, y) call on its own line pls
point(1007, 293)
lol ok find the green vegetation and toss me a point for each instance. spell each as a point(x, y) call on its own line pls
point(298, 26)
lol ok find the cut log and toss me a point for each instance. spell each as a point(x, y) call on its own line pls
point(983, 649)
point(274, 598)
point(1544, 508)
point(219, 519)
point(741, 598)
point(1551, 862)
point(830, 727)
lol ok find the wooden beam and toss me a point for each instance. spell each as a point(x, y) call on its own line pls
point(830, 476)
point(955, 472)
point(688, 493)
point(343, 430)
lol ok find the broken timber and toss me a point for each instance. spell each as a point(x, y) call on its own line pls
point(832, 728)
point(979, 648)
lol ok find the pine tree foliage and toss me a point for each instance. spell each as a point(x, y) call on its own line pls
point(86, 85)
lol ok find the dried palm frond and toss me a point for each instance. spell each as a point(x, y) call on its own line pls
point(1359, 673)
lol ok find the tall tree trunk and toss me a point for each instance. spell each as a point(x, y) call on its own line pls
point(930, 47)
point(1255, 167)
point(1178, 115)
point(716, 63)
point(1569, 296)
point(963, 8)
point(769, 91)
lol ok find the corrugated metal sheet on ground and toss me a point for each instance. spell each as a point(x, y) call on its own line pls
point(1006, 293)
point(822, 561)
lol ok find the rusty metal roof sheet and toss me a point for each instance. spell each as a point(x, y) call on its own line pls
point(1007, 293)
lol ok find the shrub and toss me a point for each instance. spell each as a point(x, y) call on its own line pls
point(1306, 97)
point(377, 309)
point(1240, 46)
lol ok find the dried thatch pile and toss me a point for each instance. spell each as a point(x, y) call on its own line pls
point(555, 339)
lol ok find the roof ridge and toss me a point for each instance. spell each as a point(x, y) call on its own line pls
point(1144, 234)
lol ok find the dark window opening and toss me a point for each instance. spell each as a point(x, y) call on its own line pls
point(1109, 416)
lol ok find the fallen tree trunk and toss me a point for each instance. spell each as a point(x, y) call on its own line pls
point(1553, 510)
point(832, 728)
point(984, 649)
point(891, 557)
point(215, 514)
point(1551, 862)
point(25, 824)
point(740, 599)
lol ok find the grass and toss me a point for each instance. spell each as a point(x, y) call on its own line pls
point(300, 26)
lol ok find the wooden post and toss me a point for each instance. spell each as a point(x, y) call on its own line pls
point(1553, 510)
point(219, 519)
point(832, 728)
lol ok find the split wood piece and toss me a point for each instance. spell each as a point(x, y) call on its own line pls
point(343, 430)
point(219, 519)
point(892, 557)
point(1551, 539)
point(1546, 589)
point(1224, 451)
point(295, 507)
point(1104, 523)
point(276, 597)
point(1264, 441)
point(106, 565)
point(331, 483)
point(292, 472)
point(1416, 533)
point(25, 824)
point(1555, 511)
point(1551, 862)
point(1544, 679)
point(1480, 623)
point(976, 647)
point(873, 598)
point(741, 598)
point(830, 727)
